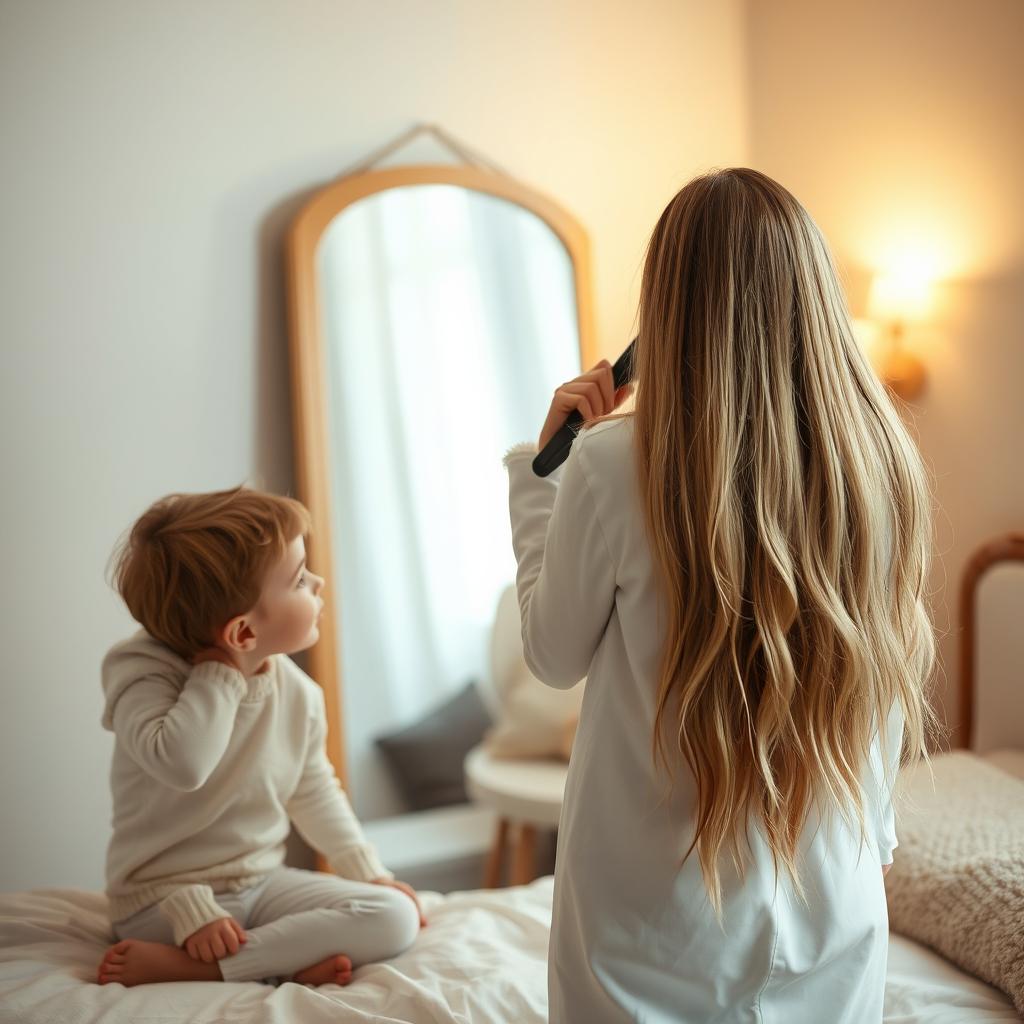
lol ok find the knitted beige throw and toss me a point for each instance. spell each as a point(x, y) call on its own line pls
point(957, 880)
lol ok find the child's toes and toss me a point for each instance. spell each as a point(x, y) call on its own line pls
point(342, 970)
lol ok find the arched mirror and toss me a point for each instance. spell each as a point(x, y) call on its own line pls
point(433, 311)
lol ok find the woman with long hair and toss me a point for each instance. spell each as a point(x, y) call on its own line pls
point(738, 568)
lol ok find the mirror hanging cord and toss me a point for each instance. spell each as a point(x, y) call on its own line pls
point(460, 149)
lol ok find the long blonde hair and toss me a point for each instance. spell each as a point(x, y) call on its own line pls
point(788, 514)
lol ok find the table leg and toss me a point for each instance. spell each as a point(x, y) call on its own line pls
point(492, 869)
point(524, 856)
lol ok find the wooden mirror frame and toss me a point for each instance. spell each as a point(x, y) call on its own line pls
point(308, 372)
point(1006, 548)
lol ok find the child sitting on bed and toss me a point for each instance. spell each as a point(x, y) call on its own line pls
point(219, 745)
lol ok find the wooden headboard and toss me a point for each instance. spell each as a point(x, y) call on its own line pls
point(1003, 551)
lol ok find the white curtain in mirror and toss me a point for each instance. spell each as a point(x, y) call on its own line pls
point(449, 318)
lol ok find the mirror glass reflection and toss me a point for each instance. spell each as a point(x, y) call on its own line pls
point(449, 317)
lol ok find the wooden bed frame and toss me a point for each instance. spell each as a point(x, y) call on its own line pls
point(1008, 547)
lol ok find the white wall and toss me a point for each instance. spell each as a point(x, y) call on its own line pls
point(152, 155)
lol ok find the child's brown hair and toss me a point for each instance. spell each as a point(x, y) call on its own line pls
point(194, 561)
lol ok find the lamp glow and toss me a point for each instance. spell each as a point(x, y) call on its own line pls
point(895, 299)
point(901, 296)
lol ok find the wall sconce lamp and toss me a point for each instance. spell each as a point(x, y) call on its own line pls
point(895, 300)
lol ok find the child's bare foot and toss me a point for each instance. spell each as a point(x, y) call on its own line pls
point(136, 962)
point(335, 970)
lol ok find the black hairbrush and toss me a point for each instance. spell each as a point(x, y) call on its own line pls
point(556, 451)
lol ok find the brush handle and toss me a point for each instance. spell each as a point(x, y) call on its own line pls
point(556, 451)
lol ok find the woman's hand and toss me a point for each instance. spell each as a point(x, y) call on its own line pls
point(216, 940)
point(407, 889)
point(593, 393)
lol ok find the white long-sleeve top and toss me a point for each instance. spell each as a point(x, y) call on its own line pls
point(633, 935)
point(209, 768)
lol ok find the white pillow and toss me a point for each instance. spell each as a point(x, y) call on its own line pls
point(532, 720)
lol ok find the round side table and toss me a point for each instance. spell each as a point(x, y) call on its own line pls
point(526, 795)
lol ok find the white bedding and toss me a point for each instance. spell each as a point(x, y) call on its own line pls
point(482, 959)
point(922, 986)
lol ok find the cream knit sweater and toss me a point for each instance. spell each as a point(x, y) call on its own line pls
point(208, 769)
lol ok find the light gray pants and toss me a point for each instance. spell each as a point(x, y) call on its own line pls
point(296, 918)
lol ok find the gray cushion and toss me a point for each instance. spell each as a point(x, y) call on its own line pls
point(426, 757)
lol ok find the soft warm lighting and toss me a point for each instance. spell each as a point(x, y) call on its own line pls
point(934, 232)
point(897, 297)
point(901, 296)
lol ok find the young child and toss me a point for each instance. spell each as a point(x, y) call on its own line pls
point(737, 568)
point(219, 743)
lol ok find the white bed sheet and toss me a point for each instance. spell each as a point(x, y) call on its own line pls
point(482, 959)
point(922, 987)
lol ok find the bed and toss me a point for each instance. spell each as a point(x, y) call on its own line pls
point(482, 958)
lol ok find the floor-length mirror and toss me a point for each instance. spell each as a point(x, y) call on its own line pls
point(447, 303)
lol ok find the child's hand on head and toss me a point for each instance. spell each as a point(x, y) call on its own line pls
point(407, 889)
point(216, 940)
